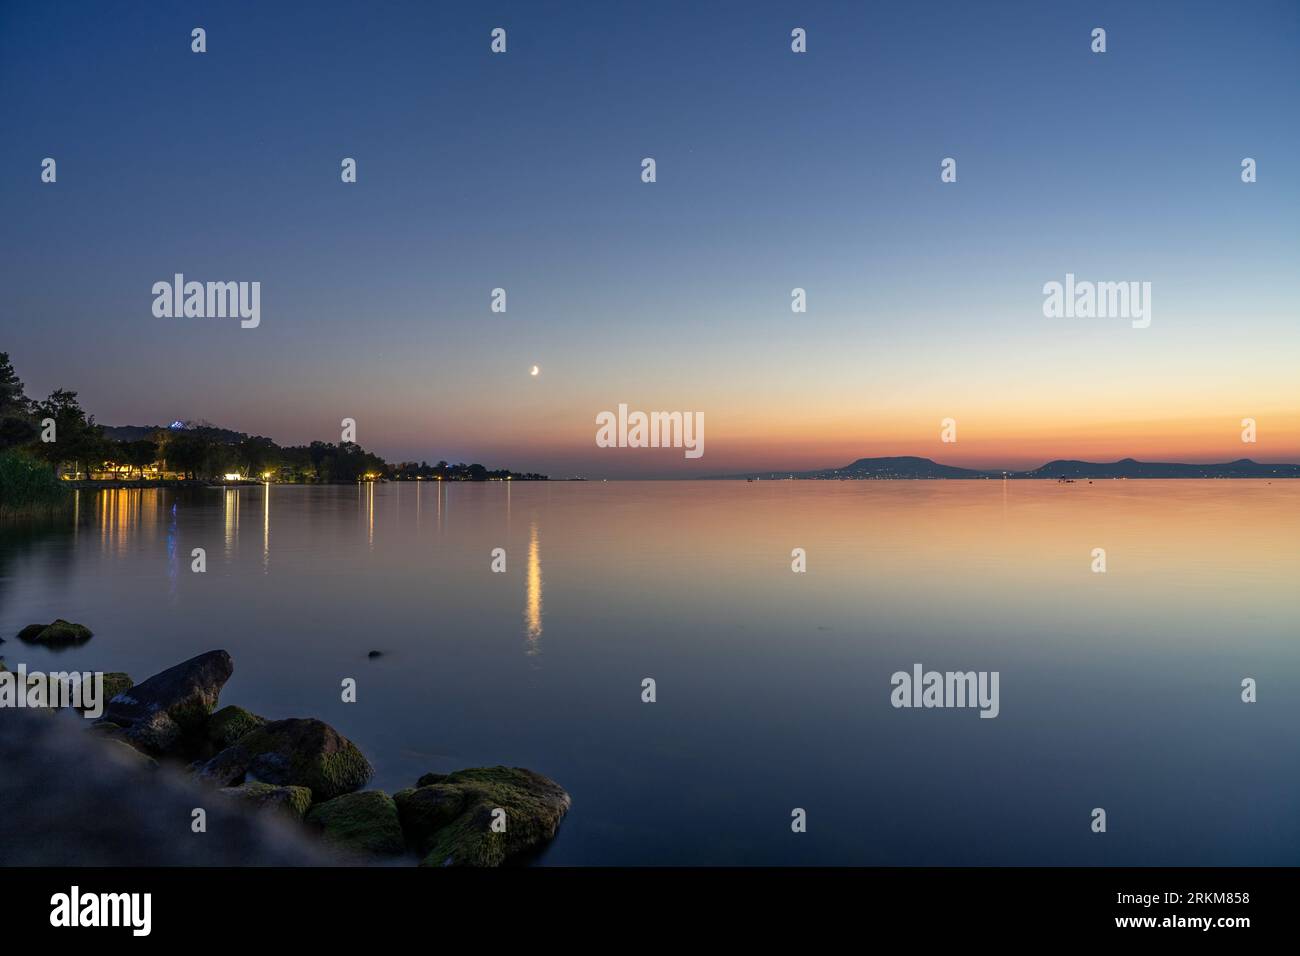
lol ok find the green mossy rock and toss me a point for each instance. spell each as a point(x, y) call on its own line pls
point(424, 810)
point(60, 633)
point(364, 822)
point(292, 801)
point(116, 683)
point(534, 806)
point(229, 724)
point(296, 752)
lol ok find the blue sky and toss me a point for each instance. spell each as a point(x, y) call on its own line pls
point(775, 170)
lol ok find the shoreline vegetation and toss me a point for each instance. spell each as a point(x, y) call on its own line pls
point(30, 489)
point(48, 448)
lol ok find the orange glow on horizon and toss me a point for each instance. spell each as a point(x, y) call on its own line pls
point(982, 442)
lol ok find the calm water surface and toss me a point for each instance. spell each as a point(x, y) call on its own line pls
point(1118, 690)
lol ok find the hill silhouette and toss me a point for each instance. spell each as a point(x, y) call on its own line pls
point(913, 467)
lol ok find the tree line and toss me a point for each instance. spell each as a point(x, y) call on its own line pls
point(196, 451)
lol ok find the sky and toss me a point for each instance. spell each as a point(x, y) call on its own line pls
point(775, 170)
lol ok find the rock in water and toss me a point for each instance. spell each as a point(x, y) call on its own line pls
point(157, 735)
point(364, 822)
point(425, 810)
point(187, 693)
point(115, 682)
point(451, 821)
point(296, 752)
point(60, 633)
point(293, 801)
point(229, 724)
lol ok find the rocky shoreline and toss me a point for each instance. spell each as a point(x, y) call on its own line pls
point(304, 772)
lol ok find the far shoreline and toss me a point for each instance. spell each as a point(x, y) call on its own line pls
point(193, 484)
point(91, 484)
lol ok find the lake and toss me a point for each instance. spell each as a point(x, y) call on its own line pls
point(1120, 690)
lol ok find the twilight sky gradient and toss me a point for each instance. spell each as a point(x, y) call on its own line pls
point(775, 170)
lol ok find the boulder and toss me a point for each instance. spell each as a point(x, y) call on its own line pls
point(299, 752)
point(187, 693)
point(293, 801)
point(124, 753)
point(156, 735)
point(121, 735)
point(229, 724)
point(534, 806)
point(364, 822)
point(425, 810)
point(114, 684)
point(59, 633)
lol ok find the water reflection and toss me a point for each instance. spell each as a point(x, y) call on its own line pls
point(266, 527)
point(370, 513)
point(117, 512)
point(533, 593)
point(696, 577)
point(172, 568)
point(20, 542)
point(232, 520)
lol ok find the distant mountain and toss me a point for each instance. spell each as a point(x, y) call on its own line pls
point(1130, 468)
point(902, 466)
point(130, 432)
point(911, 467)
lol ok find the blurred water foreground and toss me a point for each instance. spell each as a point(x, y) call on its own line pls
point(70, 799)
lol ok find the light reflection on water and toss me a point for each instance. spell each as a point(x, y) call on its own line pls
point(1118, 690)
point(533, 599)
